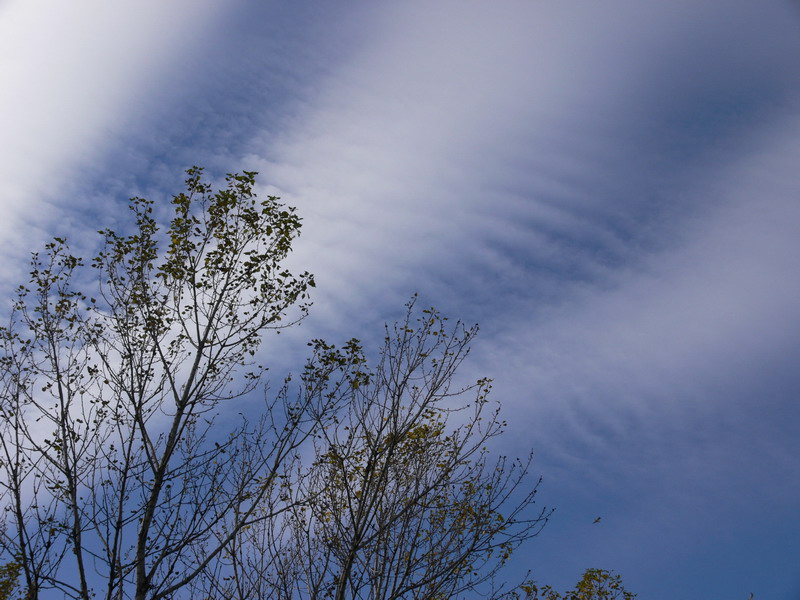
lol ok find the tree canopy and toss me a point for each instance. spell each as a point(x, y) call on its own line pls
point(367, 475)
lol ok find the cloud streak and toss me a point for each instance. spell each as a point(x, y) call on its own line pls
point(608, 192)
point(608, 188)
point(74, 77)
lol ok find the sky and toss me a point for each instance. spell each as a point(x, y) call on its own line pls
point(611, 189)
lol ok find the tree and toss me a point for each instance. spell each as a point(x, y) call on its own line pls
point(403, 504)
point(596, 584)
point(120, 479)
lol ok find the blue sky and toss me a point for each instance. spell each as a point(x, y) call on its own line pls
point(611, 189)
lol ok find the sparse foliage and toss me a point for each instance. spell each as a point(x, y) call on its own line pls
point(121, 480)
point(596, 584)
point(404, 501)
point(9, 576)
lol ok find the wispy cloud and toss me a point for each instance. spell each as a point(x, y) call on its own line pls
point(530, 146)
point(608, 188)
point(74, 77)
point(610, 191)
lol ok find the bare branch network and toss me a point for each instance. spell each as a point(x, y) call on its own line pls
point(119, 479)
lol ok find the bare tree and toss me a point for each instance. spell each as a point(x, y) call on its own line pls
point(117, 482)
point(402, 499)
point(120, 479)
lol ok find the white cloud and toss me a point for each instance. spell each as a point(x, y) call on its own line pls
point(74, 74)
point(476, 140)
point(612, 195)
point(679, 376)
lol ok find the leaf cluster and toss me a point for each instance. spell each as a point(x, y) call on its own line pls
point(595, 584)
